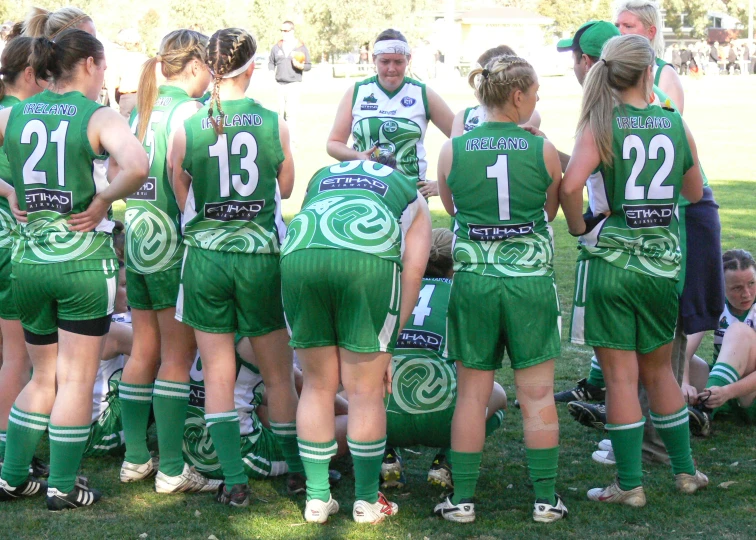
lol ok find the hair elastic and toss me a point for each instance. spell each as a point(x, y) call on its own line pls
point(485, 73)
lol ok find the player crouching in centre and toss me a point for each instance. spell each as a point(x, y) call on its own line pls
point(502, 183)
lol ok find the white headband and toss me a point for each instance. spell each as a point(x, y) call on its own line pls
point(391, 46)
point(239, 71)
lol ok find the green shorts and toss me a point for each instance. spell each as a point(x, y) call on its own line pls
point(225, 293)
point(47, 293)
point(341, 297)
point(431, 429)
point(106, 436)
point(8, 309)
point(153, 292)
point(488, 315)
point(621, 309)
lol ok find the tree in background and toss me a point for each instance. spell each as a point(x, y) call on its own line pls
point(148, 29)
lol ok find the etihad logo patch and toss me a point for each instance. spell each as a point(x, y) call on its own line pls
point(644, 216)
point(234, 210)
point(353, 181)
point(148, 191)
point(493, 233)
point(197, 396)
point(418, 339)
point(369, 103)
point(38, 200)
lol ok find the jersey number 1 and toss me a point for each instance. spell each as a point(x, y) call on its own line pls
point(499, 171)
point(57, 137)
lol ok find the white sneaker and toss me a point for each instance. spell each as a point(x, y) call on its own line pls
point(614, 494)
point(605, 457)
point(365, 512)
point(544, 512)
point(605, 445)
point(132, 472)
point(464, 512)
point(691, 483)
point(189, 481)
point(318, 511)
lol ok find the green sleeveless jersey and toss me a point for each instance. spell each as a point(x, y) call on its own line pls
point(7, 221)
point(424, 380)
point(357, 205)
point(55, 173)
point(234, 204)
point(641, 188)
point(499, 180)
point(153, 218)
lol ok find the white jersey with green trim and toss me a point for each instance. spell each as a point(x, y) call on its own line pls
point(394, 122)
point(728, 319)
point(474, 116)
point(108, 376)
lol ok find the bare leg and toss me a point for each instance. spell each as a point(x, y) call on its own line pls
point(177, 347)
point(219, 369)
point(620, 370)
point(274, 358)
point(315, 414)
point(474, 389)
point(15, 370)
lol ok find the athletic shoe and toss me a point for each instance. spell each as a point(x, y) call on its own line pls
point(584, 391)
point(688, 483)
point(29, 488)
point(545, 512)
point(365, 512)
point(296, 483)
point(238, 496)
point(588, 414)
point(318, 511)
point(605, 444)
point(132, 472)
point(440, 472)
point(464, 512)
point(615, 494)
point(605, 457)
point(189, 481)
point(392, 475)
point(76, 498)
point(699, 419)
point(38, 468)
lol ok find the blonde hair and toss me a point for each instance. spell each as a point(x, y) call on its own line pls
point(440, 261)
point(649, 14)
point(176, 50)
point(496, 82)
point(42, 23)
point(623, 64)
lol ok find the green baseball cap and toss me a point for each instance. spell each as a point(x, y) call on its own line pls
point(590, 37)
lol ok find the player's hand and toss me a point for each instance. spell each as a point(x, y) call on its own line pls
point(297, 65)
point(534, 130)
point(690, 394)
point(428, 188)
point(19, 214)
point(388, 377)
point(367, 154)
point(87, 220)
point(715, 396)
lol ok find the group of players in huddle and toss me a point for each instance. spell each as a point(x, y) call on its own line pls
point(410, 323)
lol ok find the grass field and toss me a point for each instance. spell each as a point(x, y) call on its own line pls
point(715, 109)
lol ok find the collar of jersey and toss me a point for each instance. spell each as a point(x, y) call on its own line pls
point(741, 318)
point(9, 101)
point(390, 94)
point(169, 89)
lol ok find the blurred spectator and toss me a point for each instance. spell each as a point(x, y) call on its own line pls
point(731, 56)
point(713, 68)
point(124, 70)
point(676, 58)
point(365, 53)
point(685, 59)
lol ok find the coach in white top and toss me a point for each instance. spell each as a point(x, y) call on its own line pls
point(389, 113)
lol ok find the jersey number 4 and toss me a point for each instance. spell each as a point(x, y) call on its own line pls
point(57, 137)
point(657, 189)
point(422, 309)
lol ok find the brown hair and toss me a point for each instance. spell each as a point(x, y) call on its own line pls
point(440, 262)
point(49, 24)
point(56, 60)
point(13, 62)
point(119, 241)
point(496, 82)
point(229, 49)
point(176, 50)
point(737, 259)
point(501, 50)
point(390, 33)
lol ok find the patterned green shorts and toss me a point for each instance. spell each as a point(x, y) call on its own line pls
point(153, 292)
point(8, 309)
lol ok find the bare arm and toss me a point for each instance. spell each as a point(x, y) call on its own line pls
point(415, 259)
point(458, 125)
point(670, 84)
point(180, 179)
point(118, 340)
point(184, 111)
point(444, 168)
point(342, 127)
point(551, 158)
point(286, 169)
point(585, 159)
point(692, 188)
point(440, 113)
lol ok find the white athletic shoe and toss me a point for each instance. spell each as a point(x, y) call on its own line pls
point(605, 457)
point(189, 481)
point(691, 483)
point(318, 511)
point(464, 512)
point(605, 445)
point(614, 494)
point(132, 472)
point(544, 512)
point(365, 512)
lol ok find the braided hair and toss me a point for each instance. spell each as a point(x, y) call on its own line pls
point(496, 82)
point(737, 259)
point(229, 49)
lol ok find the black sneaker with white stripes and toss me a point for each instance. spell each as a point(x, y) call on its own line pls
point(38, 468)
point(589, 414)
point(584, 391)
point(464, 512)
point(29, 488)
point(699, 419)
point(237, 496)
point(79, 496)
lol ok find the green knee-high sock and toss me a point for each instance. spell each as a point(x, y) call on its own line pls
point(674, 431)
point(627, 443)
point(24, 432)
point(224, 431)
point(286, 436)
point(2, 444)
point(465, 472)
point(67, 444)
point(595, 375)
point(367, 457)
point(170, 401)
point(136, 401)
point(542, 466)
point(722, 375)
point(316, 457)
point(493, 423)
